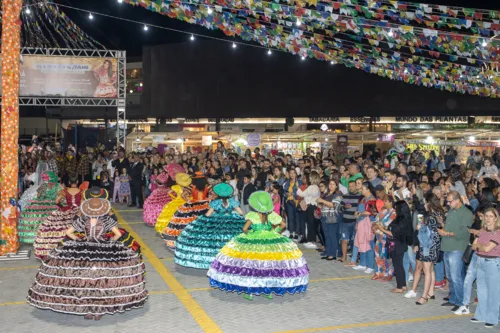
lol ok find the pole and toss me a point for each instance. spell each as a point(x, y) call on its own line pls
point(11, 52)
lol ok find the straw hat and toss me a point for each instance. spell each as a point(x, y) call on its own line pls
point(261, 202)
point(96, 202)
point(223, 190)
point(95, 192)
point(183, 179)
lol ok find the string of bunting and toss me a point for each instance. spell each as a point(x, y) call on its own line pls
point(298, 35)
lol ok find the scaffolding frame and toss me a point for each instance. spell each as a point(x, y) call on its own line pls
point(64, 101)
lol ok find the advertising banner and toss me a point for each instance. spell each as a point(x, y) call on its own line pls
point(58, 76)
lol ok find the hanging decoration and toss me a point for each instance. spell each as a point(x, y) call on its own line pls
point(446, 48)
point(11, 43)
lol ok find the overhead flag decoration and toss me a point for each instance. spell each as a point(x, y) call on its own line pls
point(447, 48)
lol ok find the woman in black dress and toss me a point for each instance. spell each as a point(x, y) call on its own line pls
point(400, 233)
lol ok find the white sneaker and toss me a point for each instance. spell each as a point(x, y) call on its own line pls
point(463, 310)
point(310, 245)
point(410, 277)
point(411, 294)
point(359, 268)
point(369, 270)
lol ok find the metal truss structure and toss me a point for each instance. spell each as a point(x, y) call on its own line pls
point(64, 101)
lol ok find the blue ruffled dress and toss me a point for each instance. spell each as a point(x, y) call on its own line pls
point(201, 240)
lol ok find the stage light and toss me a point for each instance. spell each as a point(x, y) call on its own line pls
point(269, 52)
point(131, 91)
point(192, 37)
point(332, 62)
point(91, 17)
point(146, 28)
point(302, 58)
point(234, 45)
point(140, 84)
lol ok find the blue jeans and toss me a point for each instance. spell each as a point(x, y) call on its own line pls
point(367, 259)
point(331, 231)
point(292, 217)
point(488, 290)
point(439, 269)
point(409, 259)
point(455, 272)
point(470, 277)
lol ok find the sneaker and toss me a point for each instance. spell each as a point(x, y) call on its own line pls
point(359, 268)
point(440, 284)
point(369, 271)
point(489, 325)
point(411, 294)
point(474, 320)
point(310, 245)
point(410, 277)
point(455, 308)
point(463, 310)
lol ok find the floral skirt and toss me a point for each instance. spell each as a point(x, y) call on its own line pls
point(200, 241)
point(52, 231)
point(186, 214)
point(32, 217)
point(260, 262)
point(83, 278)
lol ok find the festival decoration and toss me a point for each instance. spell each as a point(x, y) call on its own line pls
point(446, 47)
point(11, 43)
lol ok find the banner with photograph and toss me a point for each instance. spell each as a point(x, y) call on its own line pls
point(67, 76)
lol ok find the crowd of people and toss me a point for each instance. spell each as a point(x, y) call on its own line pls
point(409, 216)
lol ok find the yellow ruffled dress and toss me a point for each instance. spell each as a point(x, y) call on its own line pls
point(168, 211)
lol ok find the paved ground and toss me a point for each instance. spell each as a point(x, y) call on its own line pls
point(338, 299)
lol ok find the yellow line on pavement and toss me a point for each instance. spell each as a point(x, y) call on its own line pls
point(128, 210)
point(140, 222)
point(13, 303)
point(202, 318)
point(371, 324)
point(18, 268)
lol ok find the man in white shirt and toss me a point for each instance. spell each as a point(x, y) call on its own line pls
point(402, 193)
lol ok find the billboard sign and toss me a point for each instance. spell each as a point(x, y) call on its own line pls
point(68, 76)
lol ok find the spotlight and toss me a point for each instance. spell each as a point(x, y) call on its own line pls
point(302, 58)
point(234, 45)
point(91, 17)
point(269, 52)
point(192, 37)
point(146, 28)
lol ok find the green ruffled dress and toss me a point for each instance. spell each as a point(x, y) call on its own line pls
point(201, 240)
point(36, 211)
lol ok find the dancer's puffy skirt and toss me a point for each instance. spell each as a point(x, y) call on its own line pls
point(167, 214)
point(32, 217)
point(200, 241)
point(52, 231)
point(90, 278)
point(186, 214)
point(154, 205)
point(261, 262)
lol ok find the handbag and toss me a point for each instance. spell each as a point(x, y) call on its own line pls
point(317, 213)
point(467, 256)
point(390, 244)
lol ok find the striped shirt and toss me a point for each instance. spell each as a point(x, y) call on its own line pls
point(353, 200)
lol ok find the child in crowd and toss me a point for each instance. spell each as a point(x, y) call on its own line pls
point(275, 196)
point(124, 191)
point(152, 180)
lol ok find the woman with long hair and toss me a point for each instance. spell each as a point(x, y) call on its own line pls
point(384, 270)
point(331, 215)
point(400, 233)
point(310, 195)
point(290, 187)
point(487, 250)
point(428, 249)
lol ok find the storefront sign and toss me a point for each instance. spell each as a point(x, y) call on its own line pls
point(423, 147)
point(206, 140)
point(385, 138)
point(253, 139)
point(482, 144)
point(66, 76)
point(430, 120)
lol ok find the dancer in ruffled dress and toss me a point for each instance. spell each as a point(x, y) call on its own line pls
point(159, 198)
point(179, 194)
point(91, 276)
point(260, 261)
point(188, 212)
point(32, 191)
point(53, 229)
point(200, 241)
point(37, 210)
